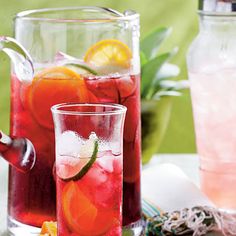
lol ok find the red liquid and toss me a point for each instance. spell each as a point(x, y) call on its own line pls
point(32, 196)
point(92, 205)
point(125, 91)
point(18, 152)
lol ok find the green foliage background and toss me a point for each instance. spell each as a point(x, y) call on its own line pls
point(180, 15)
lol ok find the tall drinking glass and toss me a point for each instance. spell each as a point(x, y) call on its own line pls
point(83, 55)
point(89, 146)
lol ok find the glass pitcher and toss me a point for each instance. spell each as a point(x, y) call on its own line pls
point(85, 55)
point(212, 73)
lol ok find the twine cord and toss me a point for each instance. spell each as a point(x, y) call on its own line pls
point(196, 221)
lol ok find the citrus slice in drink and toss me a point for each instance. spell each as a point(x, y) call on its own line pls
point(109, 56)
point(52, 86)
point(49, 228)
point(81, 215)
point(70, 168)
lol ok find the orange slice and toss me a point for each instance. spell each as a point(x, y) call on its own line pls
point(49, 229)
point(52, 86)
point(110, 55)
point(60, 72)
point(79, 212)
point(81, 215)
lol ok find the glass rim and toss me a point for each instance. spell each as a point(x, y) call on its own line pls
point(120, 109)
point(26, 15)
point(219, 14)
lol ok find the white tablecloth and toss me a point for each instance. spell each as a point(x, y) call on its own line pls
point(3, 196)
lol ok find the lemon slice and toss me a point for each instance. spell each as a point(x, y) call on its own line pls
point(109, 56)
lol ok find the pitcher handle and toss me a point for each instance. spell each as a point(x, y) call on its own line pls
point(22, 61)
point(19, 152)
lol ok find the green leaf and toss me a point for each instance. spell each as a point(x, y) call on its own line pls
point(143, 59)
point(174, 85)
point(167, 71)
point(151, 43)
point(155, 115)
point(149, 71)
point(166, 93)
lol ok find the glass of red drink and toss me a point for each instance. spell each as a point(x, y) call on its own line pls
point(82, 55)
point(89, 145)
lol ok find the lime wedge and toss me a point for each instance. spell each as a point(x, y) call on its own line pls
point(87, 166)
point(81, 68)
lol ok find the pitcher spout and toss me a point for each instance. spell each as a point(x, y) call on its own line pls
point(22, 61)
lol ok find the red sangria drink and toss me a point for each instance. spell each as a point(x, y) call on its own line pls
point(89, 170)
point(124, 89)
point(92, 59)
point(31, 118)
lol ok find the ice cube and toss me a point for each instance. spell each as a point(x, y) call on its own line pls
point(93, 136)
point(126, 85)
point(68, 144)
point(61, 56)
point(106, 162)
point(87, 146)
point(67, 160)
point(96, 175)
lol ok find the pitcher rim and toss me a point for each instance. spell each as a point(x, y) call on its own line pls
point(117, 16)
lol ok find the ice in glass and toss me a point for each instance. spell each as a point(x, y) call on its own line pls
point(89, 168)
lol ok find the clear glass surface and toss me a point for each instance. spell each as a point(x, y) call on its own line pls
point(82, 55)
point(89, 200)
point(212, 72)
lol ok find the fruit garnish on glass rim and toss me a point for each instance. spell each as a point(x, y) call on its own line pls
point(109, 56)
point(81, 165)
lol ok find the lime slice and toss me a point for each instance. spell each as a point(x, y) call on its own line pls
point(81, 68)
point(86, 167)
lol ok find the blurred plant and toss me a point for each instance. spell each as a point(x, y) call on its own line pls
point(157, 88)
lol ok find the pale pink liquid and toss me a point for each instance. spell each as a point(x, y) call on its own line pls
point(214, 108)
